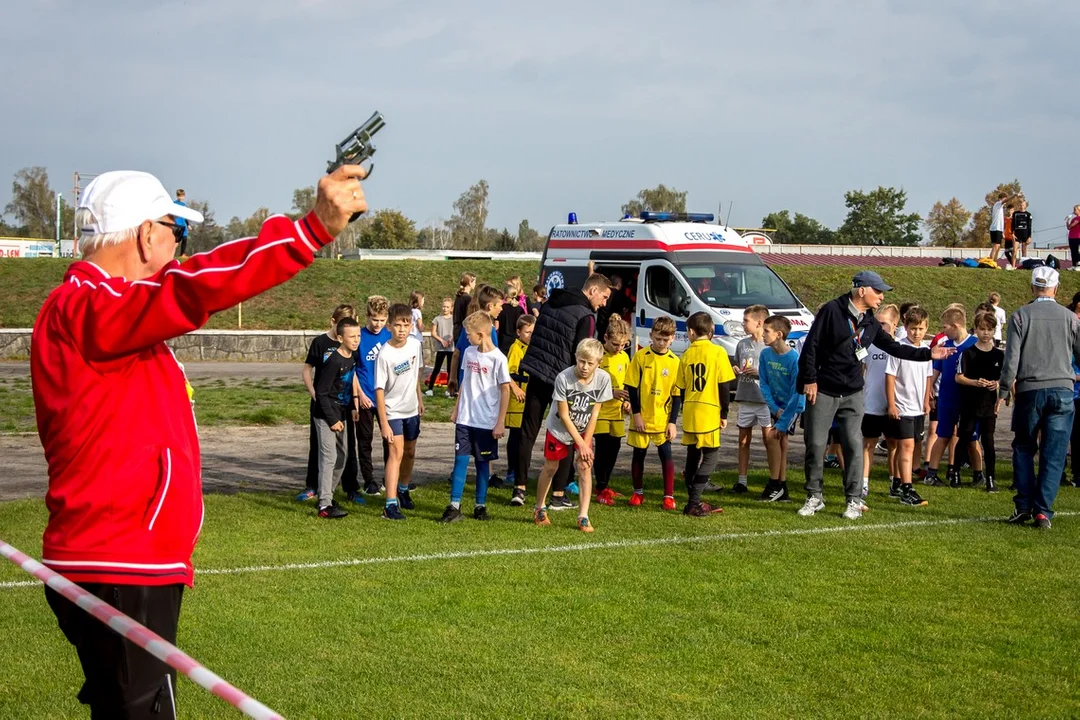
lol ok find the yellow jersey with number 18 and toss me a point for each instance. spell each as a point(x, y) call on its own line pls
point(704, 366)
point(654, 377)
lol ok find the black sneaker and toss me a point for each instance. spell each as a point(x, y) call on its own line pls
point(480, 513)
point(954, 479)
point(776, 492)
point(710, 486)
point(450, 515)
point(1065, 482)
point(978, 481)
point(908, 496)
point(405, 500)
point(991, 486)
point(332, 512)
point(831, 461)
point(1042, 522)
point(518, 498)
point(561, 502)
point(894, 489)
point(372, 488)
point(740, 488)
point(392, 512)
point(495, 482)
point(933, 480)
point(1019, 517)
point(769, 487)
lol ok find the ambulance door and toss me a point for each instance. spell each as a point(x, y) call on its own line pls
point(661, 291)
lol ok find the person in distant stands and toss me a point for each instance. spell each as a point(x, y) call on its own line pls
point(182, 222)
point(116, 421)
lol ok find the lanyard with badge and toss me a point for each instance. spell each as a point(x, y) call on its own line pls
point(857, 334)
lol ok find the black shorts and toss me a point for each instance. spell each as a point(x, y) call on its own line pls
point(1023, 237)
point(478, 442)
point(873, 426)
point(1009, 244)
point(933, 413)
point(122, 679)
point(996, 236)
point(906, 428)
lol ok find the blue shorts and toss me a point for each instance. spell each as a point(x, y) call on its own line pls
point(478, 442)
point(409, 427)
point(948, 418)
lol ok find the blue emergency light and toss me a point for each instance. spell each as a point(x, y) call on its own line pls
point(572, 219)
point(649, 216)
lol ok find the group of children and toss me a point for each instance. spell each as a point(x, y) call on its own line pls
point(362, 375)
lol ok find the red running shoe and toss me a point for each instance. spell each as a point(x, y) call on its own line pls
point(636, 499)
point(669, 502)
point(605, 497)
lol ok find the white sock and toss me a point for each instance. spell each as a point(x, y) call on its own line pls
point(742, 479)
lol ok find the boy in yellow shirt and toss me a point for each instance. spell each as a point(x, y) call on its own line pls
point(518, 382)
point(649, 382)
point(701, 391)
point(611, 427)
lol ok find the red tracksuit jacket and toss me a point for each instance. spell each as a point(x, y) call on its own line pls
point(125, 488)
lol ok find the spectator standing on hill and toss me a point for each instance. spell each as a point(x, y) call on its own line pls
point(1072, 224)
point(999, 316)
point(1021, 227)
point(1044, 342)
point(997, 224)
point(115, 418)
point(182, 222)
point(565, 320)
point(831, 376)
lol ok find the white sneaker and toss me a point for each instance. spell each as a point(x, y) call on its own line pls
point(813, 504)
point(429, 393)
point(854, 510)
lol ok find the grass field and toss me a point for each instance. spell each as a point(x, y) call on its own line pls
point(306, 301)
point(940, 611)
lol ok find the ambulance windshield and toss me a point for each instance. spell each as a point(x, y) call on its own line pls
point(737, 285)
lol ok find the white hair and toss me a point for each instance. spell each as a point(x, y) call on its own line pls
point(92, 242)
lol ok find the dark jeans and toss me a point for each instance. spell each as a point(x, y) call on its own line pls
point(440, 357)
point(1074, 441)
point(533, 423)
point(1045, 414)
point(122, 679)
point(365, 432)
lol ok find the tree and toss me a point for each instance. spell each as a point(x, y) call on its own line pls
point(468, 223)
point(389, 229)
point(33, 203)
point(945, 223)
point(504, 242)
point(978, 233)
point(803, 230)
point(878, 218)
point(659, 199)
point(303, 200)
point(205, 235)
point(528, 240)
point(250, 227)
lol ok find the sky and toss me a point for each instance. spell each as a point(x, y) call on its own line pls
point(561, 106)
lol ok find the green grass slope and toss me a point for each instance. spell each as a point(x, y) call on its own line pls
point(306, 301)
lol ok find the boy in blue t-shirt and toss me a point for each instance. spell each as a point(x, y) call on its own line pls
point(372, 338)
point(954, 326)
point(778, 369)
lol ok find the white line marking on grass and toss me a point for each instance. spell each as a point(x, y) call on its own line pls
point(577, 547)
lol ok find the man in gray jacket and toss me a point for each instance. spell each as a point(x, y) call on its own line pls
point(1042, 344)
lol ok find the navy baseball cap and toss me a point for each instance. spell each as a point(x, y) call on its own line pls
point(870, 279)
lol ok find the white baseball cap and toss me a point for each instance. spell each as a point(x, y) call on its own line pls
point(123, 199)
point(1044, 277)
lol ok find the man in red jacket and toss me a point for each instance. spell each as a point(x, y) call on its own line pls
point(115, 419)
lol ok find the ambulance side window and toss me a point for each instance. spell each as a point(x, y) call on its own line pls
point(663, 291)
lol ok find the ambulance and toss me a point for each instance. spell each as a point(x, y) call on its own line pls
point(673, 264)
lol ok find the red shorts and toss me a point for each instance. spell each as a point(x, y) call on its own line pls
point(555, 449)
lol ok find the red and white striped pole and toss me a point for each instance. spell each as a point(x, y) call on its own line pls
point(141, 636)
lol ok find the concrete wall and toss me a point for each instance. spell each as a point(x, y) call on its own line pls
point(216, 345)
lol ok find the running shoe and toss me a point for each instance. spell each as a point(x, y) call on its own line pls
point(1042, 522)
point(540, 516)
point(584, 525)
point(701, 510)
point(854, 510)
point(332, 512)
point(480, 513)
point(710, 486)
point(450, 515)
point(1019, 517)
point(518, 498)
point(605, 497)
point(392, 512)
point(908, 496)
point(405, 499)
point(305, 495)
point(356, 498)
point(812, 505)
point(561, 502)
point(777, 492)
point(636, 499)
point(895, 488)
point(572, 488)
point(669, 502)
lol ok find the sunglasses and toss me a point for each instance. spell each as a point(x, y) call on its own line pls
point(177, 230)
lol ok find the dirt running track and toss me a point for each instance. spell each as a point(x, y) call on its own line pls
point(274, 459)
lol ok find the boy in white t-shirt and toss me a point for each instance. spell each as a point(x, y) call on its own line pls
point(874, 403)
point(907, 391)
point(399, 399)
point(416, 301)
point(1000, 316)
point(479, 414)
